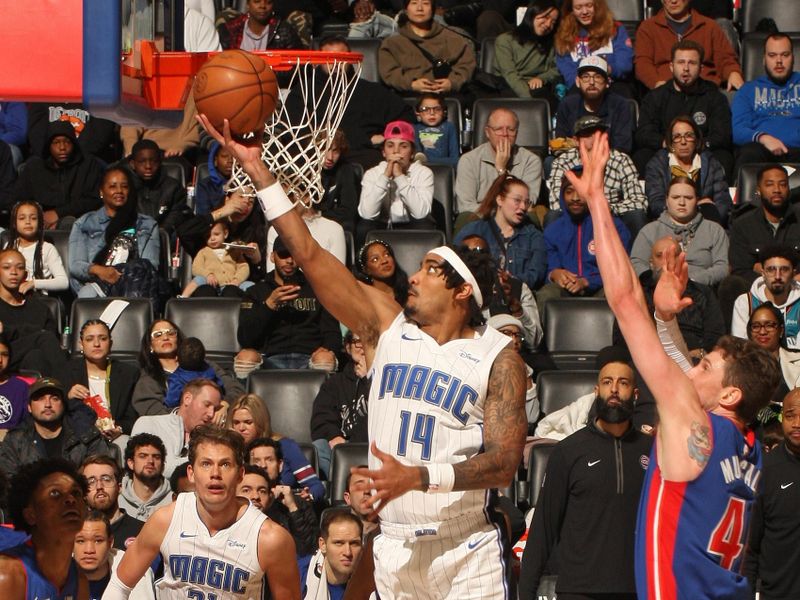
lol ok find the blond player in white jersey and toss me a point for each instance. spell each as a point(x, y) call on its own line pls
point(215, 546)
point(446, 412)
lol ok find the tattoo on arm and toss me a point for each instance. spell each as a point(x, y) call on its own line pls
point(505, 426)
point(699, 443)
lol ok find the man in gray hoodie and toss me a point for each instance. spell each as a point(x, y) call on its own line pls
point(144, 488)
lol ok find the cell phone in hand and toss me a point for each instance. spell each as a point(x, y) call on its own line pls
point(233, 246)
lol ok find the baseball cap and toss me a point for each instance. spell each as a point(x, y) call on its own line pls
point(399, 130)
point(43, 384)
point(593, 63)
point(279, 248)
point(504, 320)
point(588, 123)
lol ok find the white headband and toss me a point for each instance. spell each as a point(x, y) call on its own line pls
point(462, 269)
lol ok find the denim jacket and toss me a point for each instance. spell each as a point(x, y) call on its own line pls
point(87, 238)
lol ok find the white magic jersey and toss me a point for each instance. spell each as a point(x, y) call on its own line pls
point(199, 566)
point(426, 406)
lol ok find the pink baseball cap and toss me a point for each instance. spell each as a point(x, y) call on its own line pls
point(399, 130)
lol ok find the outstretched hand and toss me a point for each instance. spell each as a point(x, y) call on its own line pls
point(390, 481)
point(594, 153)
point(245, 152)
point(668, 296)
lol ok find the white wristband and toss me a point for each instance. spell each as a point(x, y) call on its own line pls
point(274, 201)
point(441, 478)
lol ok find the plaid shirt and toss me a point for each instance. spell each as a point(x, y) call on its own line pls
point(622, 187)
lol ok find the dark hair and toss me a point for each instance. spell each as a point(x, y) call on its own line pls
point(213, 434)
point(687, 45)
point(698, 144)
point(4, 341)
point(779, 251)
point(776, 314)
point(145, 144)
point(350, 476)
point(148, 361)
point(338, 515)
point(399, 280)
point(14, 237)
point(139, 441)
point(752, 370)
point(27, 480)
point(180, 472)
point(771, 167)
point(778, 35)
point(125, 217)
point(340, 141)
point(524, 33)
point(431, 96)
point(264, 441)
point(96, 516)
point(256, 470)
point(192, 355)
point(333, 39)
point(499, 187)
point(91, 322)
point(482, 267)
point(102, 459)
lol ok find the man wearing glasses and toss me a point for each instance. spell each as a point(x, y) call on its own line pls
point(777, 285)
point(594, 98)
point(478, 168)
point(47, 433)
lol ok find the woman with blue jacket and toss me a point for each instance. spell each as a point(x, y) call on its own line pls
point(516, 244)
point(113, 242)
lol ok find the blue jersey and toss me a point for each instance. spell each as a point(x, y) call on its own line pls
point(37, 587)
point(691, 536)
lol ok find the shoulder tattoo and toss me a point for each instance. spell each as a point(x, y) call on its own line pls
point(699, 443)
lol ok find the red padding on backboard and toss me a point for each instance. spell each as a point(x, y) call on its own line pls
point(41, 50)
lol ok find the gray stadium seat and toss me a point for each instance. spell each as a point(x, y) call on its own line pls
point(575, 329)
point(627, 10)
point(56, 309)
point(753, 53)
point(369, 65)
point(409, 246)
point(534, 121)
point(443, 193)
point(174, 169)
point(557, 389)
point(60, 239)
point(214, 321)
point(343, 457)
point(537, 465)
point(486, 57)
point(127, 332)
point(786, 14)
point(289, 395)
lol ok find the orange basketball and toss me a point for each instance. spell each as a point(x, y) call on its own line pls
point(237, 86)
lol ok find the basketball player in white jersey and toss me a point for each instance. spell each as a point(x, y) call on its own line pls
point(215, 546)
point(446, 409)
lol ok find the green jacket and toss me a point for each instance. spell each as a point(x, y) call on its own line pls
point(518, 63)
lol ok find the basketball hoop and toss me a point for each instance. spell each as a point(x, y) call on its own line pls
point(295, 146)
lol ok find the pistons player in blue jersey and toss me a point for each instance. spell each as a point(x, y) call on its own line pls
point(706, 464)
point(47, 509)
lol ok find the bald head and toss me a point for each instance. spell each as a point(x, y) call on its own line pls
point(662, 249)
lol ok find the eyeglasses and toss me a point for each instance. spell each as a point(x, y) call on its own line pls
point(511, 333)
point(102, 481)
point(587, 77)
point(689, 136)
point(763, 326)
point(772, 270)
point(427, 109)
point(526, 202)
point(162, 332)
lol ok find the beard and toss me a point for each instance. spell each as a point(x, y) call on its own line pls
point(775, 211)
point(613, 414)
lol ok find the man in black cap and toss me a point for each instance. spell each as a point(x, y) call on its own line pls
point(282, 319)
point(46, 433)
point(62, 179)
point(625, 195)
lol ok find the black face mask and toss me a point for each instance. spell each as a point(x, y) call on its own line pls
point(613, 414)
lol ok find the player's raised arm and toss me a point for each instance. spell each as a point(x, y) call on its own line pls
point(682, 418)
point(362, 309)
point(139, 555)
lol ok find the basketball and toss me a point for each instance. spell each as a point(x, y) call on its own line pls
point(237, 86)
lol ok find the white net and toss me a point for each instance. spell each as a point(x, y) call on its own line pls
point(295, 144)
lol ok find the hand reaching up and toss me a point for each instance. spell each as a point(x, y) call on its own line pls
point(668, 297)
point(594, 153)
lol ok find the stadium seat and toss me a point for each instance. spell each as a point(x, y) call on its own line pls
point(634, 109)
point(350, 249)
point(127, 332)
point(443, 193)
point(627, 10)
point(200, 171)
point(534, 121)
point(310, 452)
point(56, 310)
point(409, 246)
point(164, 253)
point(786, 14)
point(343, 457)
point(174, 169)
point(453, 112)
point(557, 389)
point(214, 321)
point(575, 329)
point(369, 48)
point(289, 395)
point(60, 239)
point(753, 53)
point(537, 465)
point(486, 57)
point(185, 269)
point(748, 182)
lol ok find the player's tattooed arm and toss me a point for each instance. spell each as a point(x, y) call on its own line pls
point(505, 426)
point(699, 443)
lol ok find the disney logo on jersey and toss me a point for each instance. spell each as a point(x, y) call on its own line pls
point(468, 356)
point(235, 544)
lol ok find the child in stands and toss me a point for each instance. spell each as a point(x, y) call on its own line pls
point(436, 135)
point(219, 265)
